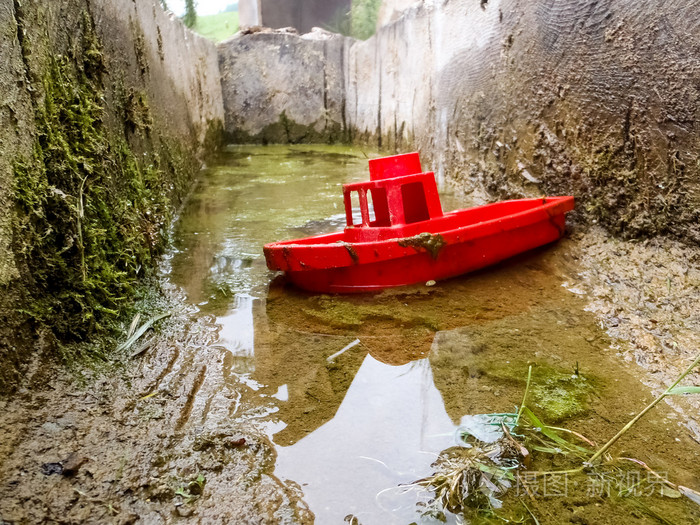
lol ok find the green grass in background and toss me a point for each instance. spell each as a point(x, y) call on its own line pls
point(217, 27)
point(363, 18)
point(360, 22)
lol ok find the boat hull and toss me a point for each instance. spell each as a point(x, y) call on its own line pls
point(331, 265)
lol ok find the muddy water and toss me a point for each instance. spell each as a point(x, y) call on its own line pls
point(360, 393)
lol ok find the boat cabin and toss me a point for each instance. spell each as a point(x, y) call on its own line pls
point(397, 197)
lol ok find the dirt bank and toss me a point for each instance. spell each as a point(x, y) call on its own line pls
point(647, 296)
point(129, 447)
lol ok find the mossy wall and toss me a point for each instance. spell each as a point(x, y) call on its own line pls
point(112, 107)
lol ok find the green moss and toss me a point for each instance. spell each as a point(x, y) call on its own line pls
point(624, 180)
point(335, 313)
point(555, 394)
point(159, 41)
point(214, 137)
point(140, 48)
point(137, 114)
point(288, 131)
point(561, 397)
point(91, 218)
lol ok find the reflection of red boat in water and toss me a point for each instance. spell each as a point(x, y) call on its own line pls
point(405, 238)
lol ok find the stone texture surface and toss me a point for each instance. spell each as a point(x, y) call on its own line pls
point(150, 50)
point(15, 129)
point(16, 126)
point(282, 87)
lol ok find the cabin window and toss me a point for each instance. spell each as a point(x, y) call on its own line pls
point(379, 210)
point(370, 209)
point(415, 207)
point(355, 208)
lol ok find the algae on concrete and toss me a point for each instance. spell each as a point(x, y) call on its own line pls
point(91, 218)
point(110, 153)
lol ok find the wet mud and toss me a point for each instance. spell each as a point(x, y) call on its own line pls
point(259, 403)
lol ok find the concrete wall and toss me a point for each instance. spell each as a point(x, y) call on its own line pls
point(508, 98)
point(16, 121)
point(303, 15)
point(249, 13)
point(595, 99)
point(282, 87)
point(150, 49)
point(391, 10)
point(160, 99)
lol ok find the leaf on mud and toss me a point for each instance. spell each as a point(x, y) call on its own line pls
point(134, 324)
point(684, 390)
point(670, 493)
point(141, 330)
point(72, 464)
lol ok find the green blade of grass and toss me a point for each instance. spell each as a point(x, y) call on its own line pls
point(532, 515)
point(684, 390)
point(551, 434)
point(141, 330)
point(527, 388)
point(639, 416)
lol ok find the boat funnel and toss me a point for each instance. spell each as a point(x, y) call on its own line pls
point(394, 166)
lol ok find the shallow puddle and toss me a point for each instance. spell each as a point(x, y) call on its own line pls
point(361, 393)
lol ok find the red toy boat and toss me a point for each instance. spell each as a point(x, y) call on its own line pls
point(405, 238)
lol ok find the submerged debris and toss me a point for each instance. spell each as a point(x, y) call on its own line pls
point(469, 477)
point(48, 469)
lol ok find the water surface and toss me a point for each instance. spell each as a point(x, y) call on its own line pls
point(360, 393)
